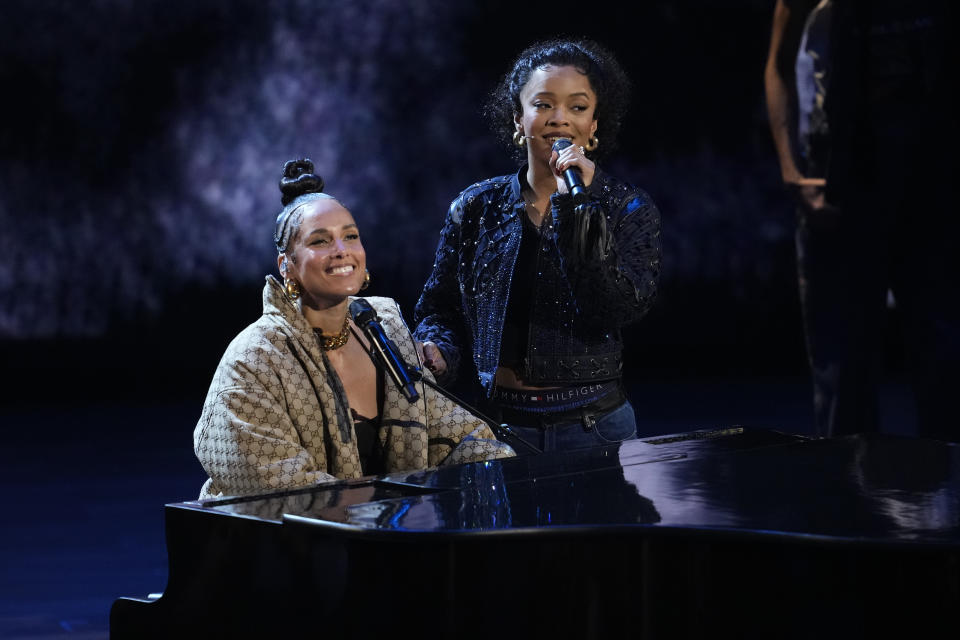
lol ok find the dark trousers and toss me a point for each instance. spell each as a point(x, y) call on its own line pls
point(894, 227)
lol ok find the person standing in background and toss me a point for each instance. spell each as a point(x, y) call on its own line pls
point(869, 156)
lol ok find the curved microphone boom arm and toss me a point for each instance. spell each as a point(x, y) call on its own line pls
point(386, 356)
point(500, 429)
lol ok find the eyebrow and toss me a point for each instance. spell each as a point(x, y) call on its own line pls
point(328, 230)
point(553, 95)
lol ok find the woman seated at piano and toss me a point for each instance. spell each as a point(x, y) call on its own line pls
point(297, 399)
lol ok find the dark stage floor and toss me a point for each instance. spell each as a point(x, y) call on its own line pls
point(86, 487)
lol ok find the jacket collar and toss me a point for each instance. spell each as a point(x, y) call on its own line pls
point(516, 183)
point(276, 304)
point(520, 178)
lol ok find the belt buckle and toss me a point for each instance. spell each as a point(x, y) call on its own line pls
point(586, 418)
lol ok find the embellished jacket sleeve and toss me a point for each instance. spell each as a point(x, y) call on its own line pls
point(610, 250)
point(439, 315)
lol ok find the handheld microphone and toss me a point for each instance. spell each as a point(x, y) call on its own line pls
point(571, 175)
point(384, 350)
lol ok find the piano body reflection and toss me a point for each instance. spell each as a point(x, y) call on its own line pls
point(754, 532)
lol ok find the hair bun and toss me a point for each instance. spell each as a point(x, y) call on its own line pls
point(298, 179)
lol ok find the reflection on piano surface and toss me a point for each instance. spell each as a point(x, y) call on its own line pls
point(756, 531)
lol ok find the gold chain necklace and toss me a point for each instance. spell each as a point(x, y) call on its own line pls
point(328, 343)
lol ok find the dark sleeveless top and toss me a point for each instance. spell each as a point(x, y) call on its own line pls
point(367, 431)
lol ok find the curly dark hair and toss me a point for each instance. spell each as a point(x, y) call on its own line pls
point(607, 79)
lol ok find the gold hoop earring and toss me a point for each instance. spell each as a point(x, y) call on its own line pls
point(519, 139)
point(366, 280)
point(292, 288)
point(593, 143)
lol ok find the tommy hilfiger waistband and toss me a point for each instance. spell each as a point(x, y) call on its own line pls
point(554, 400)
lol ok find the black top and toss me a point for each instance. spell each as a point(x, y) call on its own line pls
point(513, 346)
point(368, 442)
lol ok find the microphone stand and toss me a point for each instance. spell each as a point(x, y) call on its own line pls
point(500, 429)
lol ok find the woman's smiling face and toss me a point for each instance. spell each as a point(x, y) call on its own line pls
point(326, 257)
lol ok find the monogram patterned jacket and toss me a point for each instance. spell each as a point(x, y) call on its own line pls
point(276, 415)
point(597, 270)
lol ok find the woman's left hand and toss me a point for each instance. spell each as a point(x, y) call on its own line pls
point(432, 357)
point(572, 156)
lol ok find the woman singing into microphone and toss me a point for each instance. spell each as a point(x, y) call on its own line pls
point(296, 399)
point(529, 284)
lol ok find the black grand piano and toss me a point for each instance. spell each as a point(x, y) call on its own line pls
point(733, 532)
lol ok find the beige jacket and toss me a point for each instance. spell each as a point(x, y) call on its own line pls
point(276, 415)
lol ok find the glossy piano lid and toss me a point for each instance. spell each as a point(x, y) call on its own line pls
point(879, 489)
point(328, 502)
point(668, 447)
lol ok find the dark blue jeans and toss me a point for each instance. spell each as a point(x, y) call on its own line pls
point(617, 425)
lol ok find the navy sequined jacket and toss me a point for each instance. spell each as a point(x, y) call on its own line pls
point(597, 271)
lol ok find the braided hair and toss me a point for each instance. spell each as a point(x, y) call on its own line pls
point(299, 185)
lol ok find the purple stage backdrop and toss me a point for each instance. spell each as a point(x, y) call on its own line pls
point(142, 141)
